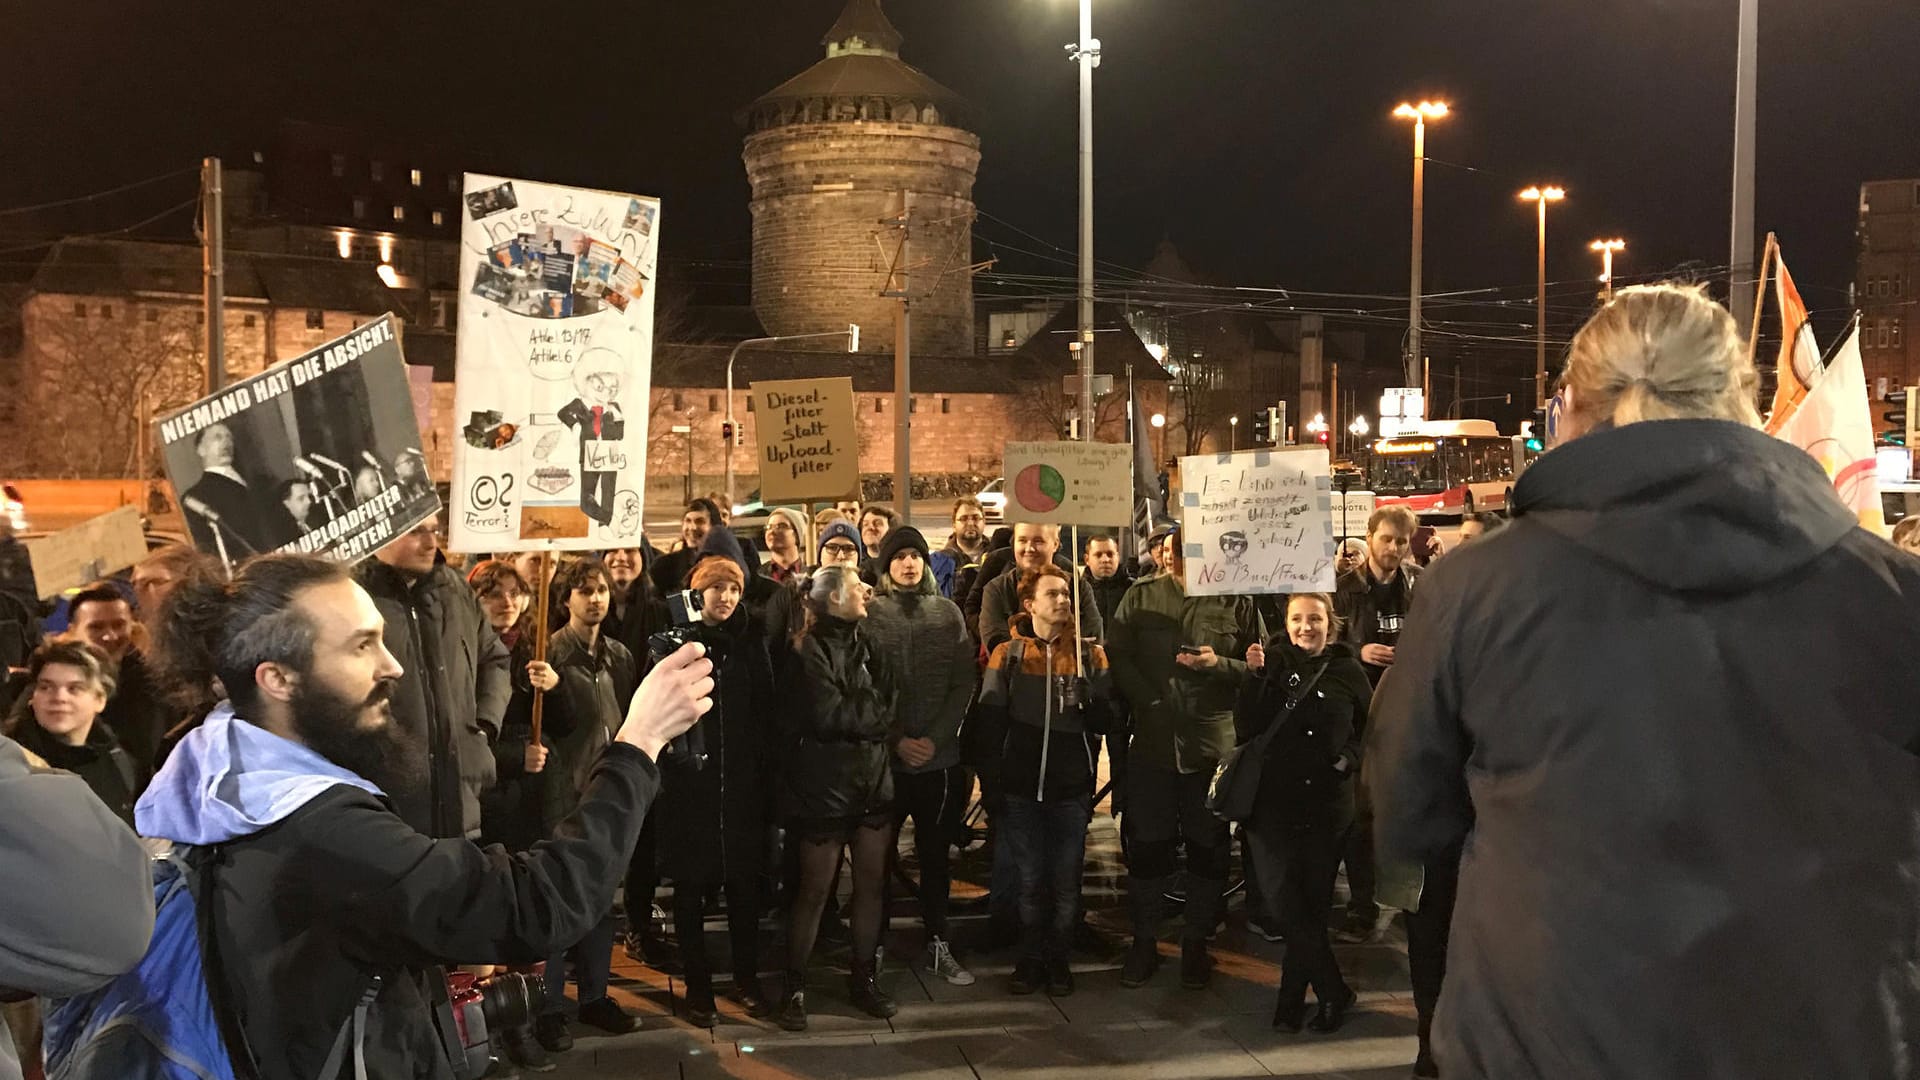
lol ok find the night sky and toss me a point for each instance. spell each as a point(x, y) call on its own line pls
point(1254, 134)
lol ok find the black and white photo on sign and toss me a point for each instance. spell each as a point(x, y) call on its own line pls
point(320, 454)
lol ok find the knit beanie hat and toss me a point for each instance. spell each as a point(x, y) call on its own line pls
point(716, 570)
point(794, 518)
point(843, 530)
point(898, 539)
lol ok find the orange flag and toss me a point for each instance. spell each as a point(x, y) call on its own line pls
point(1799, 362)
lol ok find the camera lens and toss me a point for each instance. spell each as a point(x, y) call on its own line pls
point(509, 1001)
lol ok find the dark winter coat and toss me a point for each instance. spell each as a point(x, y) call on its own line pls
point(513, 811)
point(582, 714)
point(1670, 710)
point(837, 700)
point(1353, 602)
point(453, 695)
point(1034, 745)
point(922, 639)
point(1182, 717)
point(714, 809)
point(1312, 760)
point(110, 772)
point(1106, 593)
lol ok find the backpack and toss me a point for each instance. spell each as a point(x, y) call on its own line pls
point(161, 1021)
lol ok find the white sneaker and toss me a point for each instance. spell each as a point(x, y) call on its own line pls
point(940, 961)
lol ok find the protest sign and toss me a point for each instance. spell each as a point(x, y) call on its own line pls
point(1257, 523)
point(553, 367)
point(87, 552)
point(808, 440)
point(1069, 483)
point(320, 454)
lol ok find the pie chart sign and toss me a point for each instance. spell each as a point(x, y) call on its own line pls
point(1040, 488)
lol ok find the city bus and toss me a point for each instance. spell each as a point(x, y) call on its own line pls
point(1448, 468)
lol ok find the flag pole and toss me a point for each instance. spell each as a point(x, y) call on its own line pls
point(1760, 296)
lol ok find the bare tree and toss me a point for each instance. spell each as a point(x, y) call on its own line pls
point(1200, 403)
point(90, 384)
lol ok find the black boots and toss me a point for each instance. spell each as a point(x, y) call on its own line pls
point(1204, 903)
point(864, 991)
point(792, 1013)
point(1333, 1011)
point(1144, 897)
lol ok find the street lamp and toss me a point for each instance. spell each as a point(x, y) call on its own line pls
point(1541, 196)
point(1358, 429)
point(1159, 422)
point(1086, 52)
point(1606, 248)
point(1233, 427)
point(1419, 114)
point(732, 432)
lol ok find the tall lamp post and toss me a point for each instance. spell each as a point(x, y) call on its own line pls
point(1541, 196)
point(1419, 114)
point(1606, 248)
point(1233, 433)
point(731, 432)
point(1086, 52)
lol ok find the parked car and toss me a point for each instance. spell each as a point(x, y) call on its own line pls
point(993, 500)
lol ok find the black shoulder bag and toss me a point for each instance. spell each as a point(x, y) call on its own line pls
point(1236, 780)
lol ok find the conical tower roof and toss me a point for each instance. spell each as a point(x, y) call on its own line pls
point(862, 62)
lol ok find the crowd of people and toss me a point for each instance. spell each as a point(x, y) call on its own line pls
point(1594, 754)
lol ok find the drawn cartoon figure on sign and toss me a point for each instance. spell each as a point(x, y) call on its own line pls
point(602, 428)
point(1233, 546)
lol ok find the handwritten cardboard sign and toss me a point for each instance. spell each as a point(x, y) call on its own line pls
point(87, 552)
point(1069, 483)
point(1257, 523)
point(808, 441)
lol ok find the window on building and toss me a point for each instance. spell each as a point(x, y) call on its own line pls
point(713, 402)
point(153, 314)
point(359, 208)
point(441, 310)
point(247, 322)
point(439, 218)
point(399, 212)
point(879, 404)
point(913, 404)
point(200, 318)
point(1884, 331)
point(749, 404)
point(339, 166)
point(413, 177)
point(376, 171)
point(679, 402)
point(453, 183)
point(946, 405)
point(79, 309)
point(1893, 338)
point(1894, 284)
point(316, 319)
point(106, 311)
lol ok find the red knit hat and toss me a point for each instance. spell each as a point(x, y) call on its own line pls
point(717, 570)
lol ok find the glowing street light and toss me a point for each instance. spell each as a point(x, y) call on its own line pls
point(1233, 424)
point(1419, 114)
point(1542, 196)
point(1606, 248)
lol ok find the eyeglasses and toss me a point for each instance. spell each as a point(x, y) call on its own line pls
point(840, 548)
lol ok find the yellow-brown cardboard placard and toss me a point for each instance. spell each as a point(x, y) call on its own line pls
point(809, 442)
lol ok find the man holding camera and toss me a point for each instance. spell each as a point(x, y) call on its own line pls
point(319, 897)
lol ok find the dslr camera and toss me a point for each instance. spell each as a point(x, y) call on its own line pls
point(689, 749)
point(471, 1011)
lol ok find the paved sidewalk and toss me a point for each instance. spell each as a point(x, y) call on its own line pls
point(982, 1032)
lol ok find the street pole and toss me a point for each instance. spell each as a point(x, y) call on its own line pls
point(734, 428)
point(1740, 280)
point(1606, 248)
point(213, 263)
point(902, 375)
point(1419, 229)
point(1087, 55)
point(1540, 319)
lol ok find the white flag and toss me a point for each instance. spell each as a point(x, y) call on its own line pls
point(1833, 424)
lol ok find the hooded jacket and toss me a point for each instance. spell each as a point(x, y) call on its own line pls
point(839, 702)
point(454, 693)
point(79, 898)
point(115, 778)
point(1041, 720)
point(1182, 717)
point(922, 639)
point(1670, 712)
point(318, 888)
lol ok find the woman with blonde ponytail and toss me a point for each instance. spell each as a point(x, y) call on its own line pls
point(1665, 721)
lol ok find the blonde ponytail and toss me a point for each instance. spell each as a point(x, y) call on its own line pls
point(1660, 352)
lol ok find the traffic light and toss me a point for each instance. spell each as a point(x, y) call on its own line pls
point(726, 432)
point(1896, 417)
point(1323, 436)
point(1262, 427)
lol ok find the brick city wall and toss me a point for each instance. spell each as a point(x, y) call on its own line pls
point(821, 256)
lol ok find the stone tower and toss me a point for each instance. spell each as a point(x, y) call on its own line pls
point(829, 153)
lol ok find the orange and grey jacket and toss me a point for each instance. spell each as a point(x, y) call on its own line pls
point(1041, 716)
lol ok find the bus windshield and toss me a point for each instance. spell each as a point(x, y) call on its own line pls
point(1408, 473)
